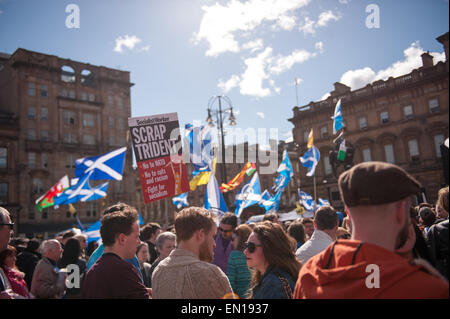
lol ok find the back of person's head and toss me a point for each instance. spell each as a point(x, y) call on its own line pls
point(296, 231)
point(326, 218)
point(68, 234)
point(149, 230)
point(427, 215)
point(92, 246)
point(343, 233)
point(442, 202)
point(9, 251)
point(242, 233)
point(162, 237)
point(229, 219)
point(277, 249)
point(192, 219)
point(33, 245)
point(71, 253)
point(271, 217)
point(119, 219)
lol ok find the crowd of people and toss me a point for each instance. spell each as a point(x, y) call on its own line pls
point(382, 247)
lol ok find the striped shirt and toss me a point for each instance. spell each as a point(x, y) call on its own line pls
point(238, 273)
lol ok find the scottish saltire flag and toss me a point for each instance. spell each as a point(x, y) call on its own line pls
point(200, 148)
point(323, 202)
point(93, 232)
point(81, 192)
point(105, 166)
point(79, 224)
point(338, 120)
point(181, 200)
point(310, 160)
point(213, 197)
point(285, 173)
point(306, 200)
point(249, 195)
point(272, 204)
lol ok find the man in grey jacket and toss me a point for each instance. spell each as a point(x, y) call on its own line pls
point(48, 282)
point(188, 273)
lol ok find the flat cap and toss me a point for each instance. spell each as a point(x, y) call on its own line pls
point(376, 183)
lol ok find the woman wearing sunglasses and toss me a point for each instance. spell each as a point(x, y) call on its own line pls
point(269, 252)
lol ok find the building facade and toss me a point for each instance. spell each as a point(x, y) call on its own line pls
point(401, 120)
point(58, 110)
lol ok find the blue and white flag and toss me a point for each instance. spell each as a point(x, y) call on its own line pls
point(323, 202)
point(81, 191)
point(200, 148)
point(249, 195)
point(181, 200)
point(93, 232)
point(272, 204)
point(310, 160)
point(105, 166)
point(213, 197)
point(285, 173)
point(338, 120)
point(306, 200)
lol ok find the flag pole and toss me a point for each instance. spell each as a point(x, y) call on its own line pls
point(296, 91)
point(315, 195)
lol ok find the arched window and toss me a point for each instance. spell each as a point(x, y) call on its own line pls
point(67, 74)
point(87, 78)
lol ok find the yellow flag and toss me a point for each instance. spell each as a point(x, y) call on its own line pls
point(310, 139)
point(202, 178)
point(72, 209)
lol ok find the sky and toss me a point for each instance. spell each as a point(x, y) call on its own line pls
point(180, 53)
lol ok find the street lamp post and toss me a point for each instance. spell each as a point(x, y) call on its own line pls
point(221, 113)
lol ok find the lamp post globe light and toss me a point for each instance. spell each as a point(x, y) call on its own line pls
point(221, 114)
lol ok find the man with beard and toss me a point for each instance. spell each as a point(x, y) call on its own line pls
point(377, 198)
point(188, 273)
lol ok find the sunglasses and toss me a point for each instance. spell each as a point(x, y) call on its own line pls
point(251, 246)
point(11, 225)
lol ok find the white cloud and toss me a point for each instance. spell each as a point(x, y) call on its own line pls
point(231, 83)
point(359, 78)
point(253, 45)
point(310, 26)
point(260, 69)
point(344, 1)
point(220, 23)
point(325, 96)
point(255, 74)
point(286, 23)
point(284, 63)
point(260, 114)
point(319, 46)
point(126, 41)
point(326, 17)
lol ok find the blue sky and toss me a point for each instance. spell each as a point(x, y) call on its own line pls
point(182, 52)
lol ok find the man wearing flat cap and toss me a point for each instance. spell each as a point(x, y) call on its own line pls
point(377, 198)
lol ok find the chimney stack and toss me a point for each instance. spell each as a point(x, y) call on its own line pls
point(427, 59)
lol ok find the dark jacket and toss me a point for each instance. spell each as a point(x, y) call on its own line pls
point(26, 262)
point(274, 284)
point(437, 241)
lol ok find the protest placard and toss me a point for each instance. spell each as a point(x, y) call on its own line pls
point(157, 147)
